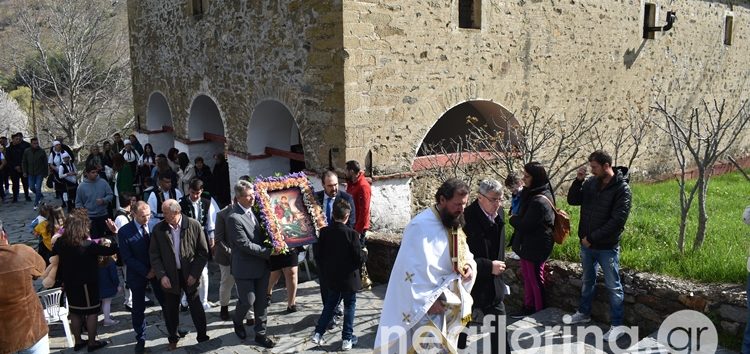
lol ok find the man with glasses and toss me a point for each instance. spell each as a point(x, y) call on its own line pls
point(485, 235)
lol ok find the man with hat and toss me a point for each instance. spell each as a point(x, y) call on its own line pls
point(68, 177)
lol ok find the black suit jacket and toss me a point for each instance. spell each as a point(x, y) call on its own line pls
point(486, 241)
point(319, 196)
point(339, 255)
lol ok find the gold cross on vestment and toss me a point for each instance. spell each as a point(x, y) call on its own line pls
point(407, 317)
point(409, 277)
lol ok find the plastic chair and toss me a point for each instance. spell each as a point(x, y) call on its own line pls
point(53, 312)
point(302, 258)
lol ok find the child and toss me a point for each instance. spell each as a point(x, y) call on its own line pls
point(339, 257)
point(51, 219)
point(109, 283)
point(514, 183)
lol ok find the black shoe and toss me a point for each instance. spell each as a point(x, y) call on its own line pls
point(98, 345)
point(183, 308)
point(140, 347)
point(149, 303)
point(250, 322)
point(523, 313)
point(28, 199)
point(224, 313)
point(15, 200)
point(202, 338)
point(128, 308)
point(264, 341)
point(239, 330)
point(182, 332)
point(79, 346)
point(291, 309)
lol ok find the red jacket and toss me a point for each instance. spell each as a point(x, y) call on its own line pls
point(360, 192)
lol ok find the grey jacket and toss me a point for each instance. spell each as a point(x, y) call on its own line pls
point(249, 252)
point(89, 191)
point(222, 250)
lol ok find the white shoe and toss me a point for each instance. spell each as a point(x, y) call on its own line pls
point(614, 333)
point(317, 338)
point(110, 322)
point(349, 343)
point(206, 306)
point(513, 255)
point(576, 318)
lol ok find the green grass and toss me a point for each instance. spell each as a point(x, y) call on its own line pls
point(649, 242)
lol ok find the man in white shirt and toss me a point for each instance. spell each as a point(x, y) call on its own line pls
point(165, 191)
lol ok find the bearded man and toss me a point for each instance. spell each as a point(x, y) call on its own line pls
point(428, 298)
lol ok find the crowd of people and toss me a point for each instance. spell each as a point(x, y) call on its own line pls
point(161, 220)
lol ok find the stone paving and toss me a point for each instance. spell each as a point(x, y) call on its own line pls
point(292, 331)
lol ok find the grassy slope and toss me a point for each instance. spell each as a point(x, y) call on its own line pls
point(650, 239)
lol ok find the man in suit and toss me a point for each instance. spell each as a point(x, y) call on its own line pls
point(134, 240)
point(250, 266)
point(223, 256)
point(178, 253)
point(326, 199)
point(330, 194)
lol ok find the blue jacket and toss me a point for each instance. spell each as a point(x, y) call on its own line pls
point(134, 253)
point(108, 281)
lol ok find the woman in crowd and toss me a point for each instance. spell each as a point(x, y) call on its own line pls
point(288, 265)
point(80, 276)
point(532, 239)
point(162, 168)
point(203, 172)
point(220, 183)
point(185, 172)
point(146, 163)
point(136, 144)
point(172, 159)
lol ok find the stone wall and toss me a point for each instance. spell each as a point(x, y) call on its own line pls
point(407, 63)
point(240, 54)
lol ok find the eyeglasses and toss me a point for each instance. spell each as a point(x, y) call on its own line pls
point(494, 200)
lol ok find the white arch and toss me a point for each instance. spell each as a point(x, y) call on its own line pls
point(205, 117)
point(271, 125)
point(159, 117)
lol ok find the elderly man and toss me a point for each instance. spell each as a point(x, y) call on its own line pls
point(178, 253)
point(23, 326)
point(249, 263)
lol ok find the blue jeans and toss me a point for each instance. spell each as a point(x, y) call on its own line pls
point(35, 182)
point(350, 303)
point(609, 260)
point(746, 339)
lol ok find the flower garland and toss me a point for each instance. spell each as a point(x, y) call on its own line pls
point(264, 210)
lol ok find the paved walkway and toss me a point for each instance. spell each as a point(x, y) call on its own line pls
point(292, 331)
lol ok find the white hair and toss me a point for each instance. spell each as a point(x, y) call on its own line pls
point(241, 186)
point(490, 185)
point(171, 205)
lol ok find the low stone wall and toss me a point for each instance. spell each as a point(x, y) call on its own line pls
point(649, 298)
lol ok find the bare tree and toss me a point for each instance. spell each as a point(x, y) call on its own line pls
point(74, 56)
point(556, 143)
point(448, 158)
point(627, 142)
point(12, 117)
point(700, 137)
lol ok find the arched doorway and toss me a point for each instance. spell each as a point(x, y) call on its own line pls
point(159, 126)
point(463, 131)
point(274, 141)
point(205, 130)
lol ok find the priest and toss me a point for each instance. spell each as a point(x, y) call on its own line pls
point(428, 299)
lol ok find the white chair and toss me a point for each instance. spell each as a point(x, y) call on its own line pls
point(53, 312)
point(302, 258)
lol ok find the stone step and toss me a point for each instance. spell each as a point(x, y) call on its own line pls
point(544, 332)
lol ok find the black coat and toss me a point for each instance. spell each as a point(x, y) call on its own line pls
point(603, 212)
point(339, 256)
point(486, 241)
point(533, 227)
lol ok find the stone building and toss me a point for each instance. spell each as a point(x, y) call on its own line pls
point(275, 83)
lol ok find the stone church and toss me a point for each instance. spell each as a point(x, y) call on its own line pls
point(288, 84)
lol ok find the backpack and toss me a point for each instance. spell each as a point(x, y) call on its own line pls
point(561, 228)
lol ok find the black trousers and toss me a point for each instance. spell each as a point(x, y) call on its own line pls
point(172, 310)
point(15, 176)
point(494, 310)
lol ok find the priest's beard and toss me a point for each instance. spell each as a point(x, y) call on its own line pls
point(451, 221)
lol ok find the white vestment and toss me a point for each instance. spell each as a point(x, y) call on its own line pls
point(423, 273)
